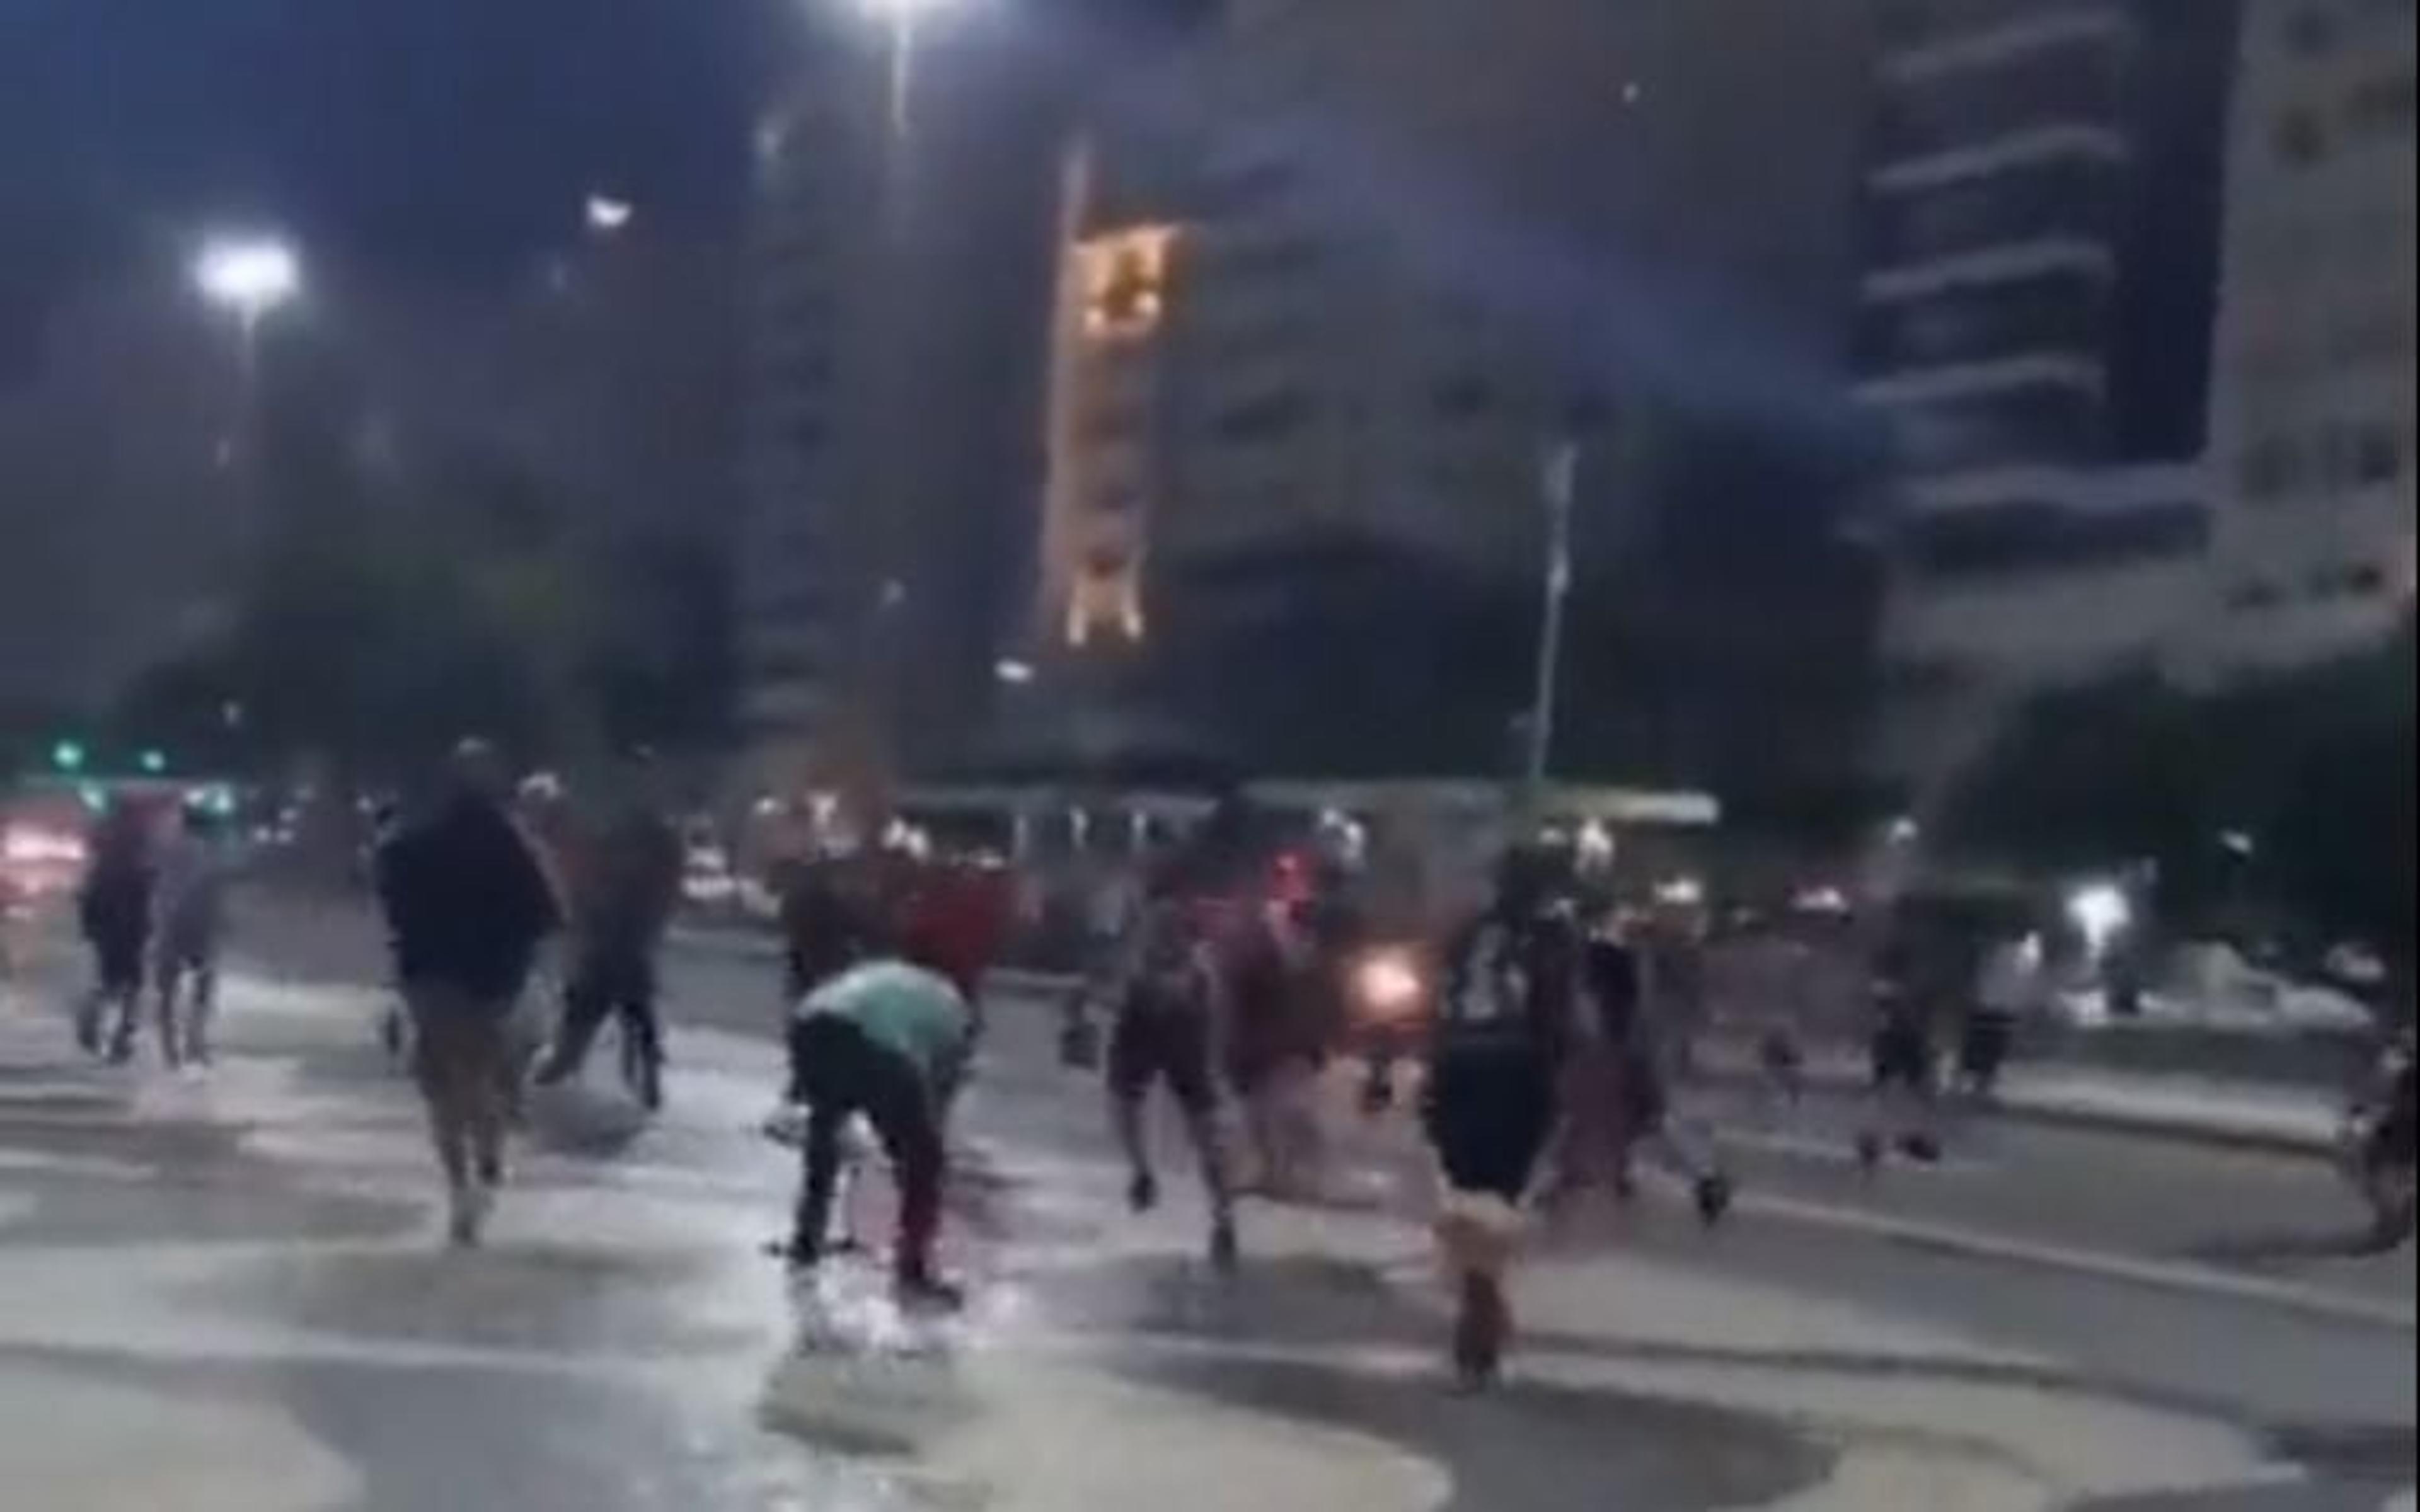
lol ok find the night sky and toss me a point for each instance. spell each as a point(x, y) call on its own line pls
point(441, 137)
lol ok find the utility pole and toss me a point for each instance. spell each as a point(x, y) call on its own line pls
point(1560, 482)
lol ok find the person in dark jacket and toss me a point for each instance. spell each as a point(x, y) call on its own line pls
point(1496, 1057)
point(113, 908)
point(623, 890)
point(467, 905)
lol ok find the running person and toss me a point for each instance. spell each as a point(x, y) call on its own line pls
point(467, 905)
point(622, 898)
point(887, 1040)
point(1491, 1096)
point(113, 908)
point(191, 920)
point(1165, 1003)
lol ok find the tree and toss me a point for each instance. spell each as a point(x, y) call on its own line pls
point(2295, 792)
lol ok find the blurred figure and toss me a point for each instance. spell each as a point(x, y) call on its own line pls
point(1273, 978)
point(886, 1040)
point(623, 888)
point(114, 910)
point(957, 923)
point(1906, 992)
point(829, 921)
point(1618, 1082)
point(1502, 1033)
point(2013, 987)
point(468, 906)
point(194, 875)
point(1167, 1003)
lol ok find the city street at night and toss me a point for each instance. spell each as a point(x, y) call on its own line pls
point(233, 1291)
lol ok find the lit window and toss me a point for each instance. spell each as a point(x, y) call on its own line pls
point(1125, 279)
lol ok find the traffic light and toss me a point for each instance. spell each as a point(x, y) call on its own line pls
point(154, 761)
point(67, 756)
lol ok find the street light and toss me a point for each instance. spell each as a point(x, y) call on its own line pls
point(605, 214)
point(1013, 672)
point(250, 275)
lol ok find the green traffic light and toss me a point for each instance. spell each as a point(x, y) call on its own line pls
point(67, 756)
point(154, 762)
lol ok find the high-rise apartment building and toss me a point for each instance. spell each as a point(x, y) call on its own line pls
point(2311, 420)
point(1414, 245)
point(2040, 203)
point(898, 325)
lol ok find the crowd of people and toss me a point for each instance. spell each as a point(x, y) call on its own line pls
point(1550, 1021)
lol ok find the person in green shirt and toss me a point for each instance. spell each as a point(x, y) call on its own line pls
point(887, 1040)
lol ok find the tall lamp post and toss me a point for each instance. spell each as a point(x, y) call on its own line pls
point(904, 18)
point(250, 277)
point(1560, 483)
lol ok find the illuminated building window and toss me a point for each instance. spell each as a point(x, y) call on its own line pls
point(1126, 282)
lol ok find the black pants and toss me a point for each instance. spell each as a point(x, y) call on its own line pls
point(838, 1073)
point(608, 980)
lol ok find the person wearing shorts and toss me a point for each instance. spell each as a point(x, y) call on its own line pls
point(1493, 1104)
point(1163, 1036)
point(466, 906)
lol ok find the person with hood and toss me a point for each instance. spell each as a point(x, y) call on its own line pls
point(467, 905)
point(114, 910)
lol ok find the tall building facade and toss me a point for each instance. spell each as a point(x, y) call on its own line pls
point(2311, 420)
point(1412, 247)
point(1111, 365)
point(2040, 206)
point(899, 317)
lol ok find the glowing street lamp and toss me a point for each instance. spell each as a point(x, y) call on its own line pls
point(249, 275)
point(1012, 673)
point(605, 214)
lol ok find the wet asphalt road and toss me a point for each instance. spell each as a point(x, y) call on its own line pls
point(577, 1367)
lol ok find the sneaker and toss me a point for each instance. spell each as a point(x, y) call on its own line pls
point(1143, 1193)
point(88, 1035)
point(1713, 1197)
point(929, 1294)
point(1921, 1148)
point(1225, 1254)
point(492, 1170)
point(470, 1215)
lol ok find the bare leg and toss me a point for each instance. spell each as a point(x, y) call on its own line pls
point(204, 1009)
point(164, 1011)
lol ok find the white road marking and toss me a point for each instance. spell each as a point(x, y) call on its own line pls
point(2166, 1275)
